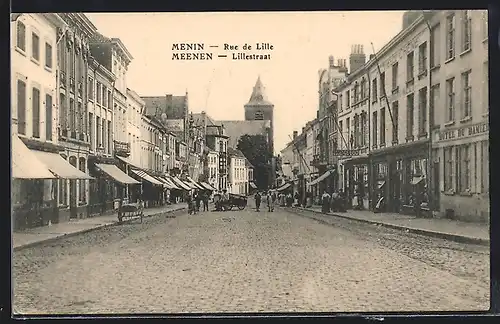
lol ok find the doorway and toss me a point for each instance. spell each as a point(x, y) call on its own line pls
point(436, 189)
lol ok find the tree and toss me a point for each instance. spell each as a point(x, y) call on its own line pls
point(256, 150)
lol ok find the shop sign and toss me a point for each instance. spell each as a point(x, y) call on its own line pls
point(345, 153)
point(462, 132)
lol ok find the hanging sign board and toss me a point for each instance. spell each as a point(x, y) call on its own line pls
point(345, 153)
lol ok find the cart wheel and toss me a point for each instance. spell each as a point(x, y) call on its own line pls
point(230, 207)
point(241, 207)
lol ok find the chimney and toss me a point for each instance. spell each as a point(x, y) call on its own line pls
point(342, 65)
point(303, 130)
point(331, 61)
point(295, 133)
point(357, 58)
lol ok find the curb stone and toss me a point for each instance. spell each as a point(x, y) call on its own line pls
point(441, 235)
point(66, 235)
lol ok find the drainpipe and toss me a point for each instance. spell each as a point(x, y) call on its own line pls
point(430, 112)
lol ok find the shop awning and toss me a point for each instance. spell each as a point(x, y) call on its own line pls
point(253, 185)
point(181, 184)
point(170, 183)
point(59, 166)
point(164, 183)
point(416, 180)
point(126, 160)
point(197, 186)
point(25, 165)
point(284, 187)
point(147, 177)
point(320, 178)
point(380, 184)
point(114, 172)
point(207, 186)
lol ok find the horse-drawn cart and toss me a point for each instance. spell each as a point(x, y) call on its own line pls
point(130, 211)
point(234, 200)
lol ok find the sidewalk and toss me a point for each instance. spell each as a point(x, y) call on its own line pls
point(473, 233)
point(34, 236)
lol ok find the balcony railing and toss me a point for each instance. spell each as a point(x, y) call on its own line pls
point(122, 148)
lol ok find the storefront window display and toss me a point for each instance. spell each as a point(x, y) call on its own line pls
point(417, 183)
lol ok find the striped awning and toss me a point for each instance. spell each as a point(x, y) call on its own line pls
point(284, 187)
point(252, 184)
point(196, 186)
point(320, 178)
point(170, 183)
point(147, 177)
point(181, 184)
point(114, 172)
point(207, 186)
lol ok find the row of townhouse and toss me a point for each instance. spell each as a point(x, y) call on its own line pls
point(82, 141)
point(412, 122)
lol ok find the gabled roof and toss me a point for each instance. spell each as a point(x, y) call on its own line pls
point(235, 152)
point(237, 128)
point(200, 117)
point(174, 107)
point(258, 97)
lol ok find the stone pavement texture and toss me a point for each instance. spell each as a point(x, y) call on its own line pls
point(26, 238)
point(446, 228)
point(245, 261)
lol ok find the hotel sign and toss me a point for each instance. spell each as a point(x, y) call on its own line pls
point(462, 132)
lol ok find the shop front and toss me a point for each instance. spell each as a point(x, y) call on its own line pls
point(356, 181)
point(400, 179)
point(109, 188)
point(461, 160)
point(152, 188)
point(324, 182)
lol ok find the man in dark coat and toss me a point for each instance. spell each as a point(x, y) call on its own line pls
point(205, 201)
point(257, 201)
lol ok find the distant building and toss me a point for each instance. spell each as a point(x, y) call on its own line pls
point(238, 172)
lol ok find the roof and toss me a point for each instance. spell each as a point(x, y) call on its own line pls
point(258, 96)
point(235, 152)
point(174, 107)
point(237, 128)
point(200, 117)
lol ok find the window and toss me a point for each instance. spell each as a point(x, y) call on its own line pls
point(410, 66)
point(374, 128)
point(422, 108)
point(450, 37)
point(374, 90)
point(394, 76)
point(356, 131)
point(105, 96)
point(356, 93)
point(21, 36)
point(382, 84)
point(382, 126)
point(48, 55)
point(35, 46)
point(35, 97)
point(98, 92)
point(364, 91)
point(485, 88)
point(484, 22)
point(91, 89)
point(341, 131)
point(72, 114)
point(110, 99)
point(48, 117)
point(363, 129)
point(63, 189)
point(395, 116)
point(463, 170)
point(485, 168)
point(80, 117)
point(435, 98)
point(435, 56)
point(466, 30)
point(409, 116)
point(450, 100)
point(21, 107)
point(340, 102)
point(91, 131)
point(466, 100)
point(72, 62)
point(348, 132)
point(62, 111)
point(448, 168)
point(110, 138)
point(422, 58)
point(348, 98)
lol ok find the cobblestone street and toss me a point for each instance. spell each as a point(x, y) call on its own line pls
point(244, 261)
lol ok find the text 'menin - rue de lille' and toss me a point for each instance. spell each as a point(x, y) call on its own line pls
point(235, 52)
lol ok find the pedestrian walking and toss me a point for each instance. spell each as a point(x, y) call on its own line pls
point(325, 202)
point(189, 201)
point(257, 201)
point(205, 201)
point(198, 201)
point(269, 200)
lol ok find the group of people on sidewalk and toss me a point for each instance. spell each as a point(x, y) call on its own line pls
point(270, 197)
point(194, 200)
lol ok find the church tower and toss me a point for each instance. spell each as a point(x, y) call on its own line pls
point(260, 108)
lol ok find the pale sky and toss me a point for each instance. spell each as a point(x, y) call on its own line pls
point(302, 44)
